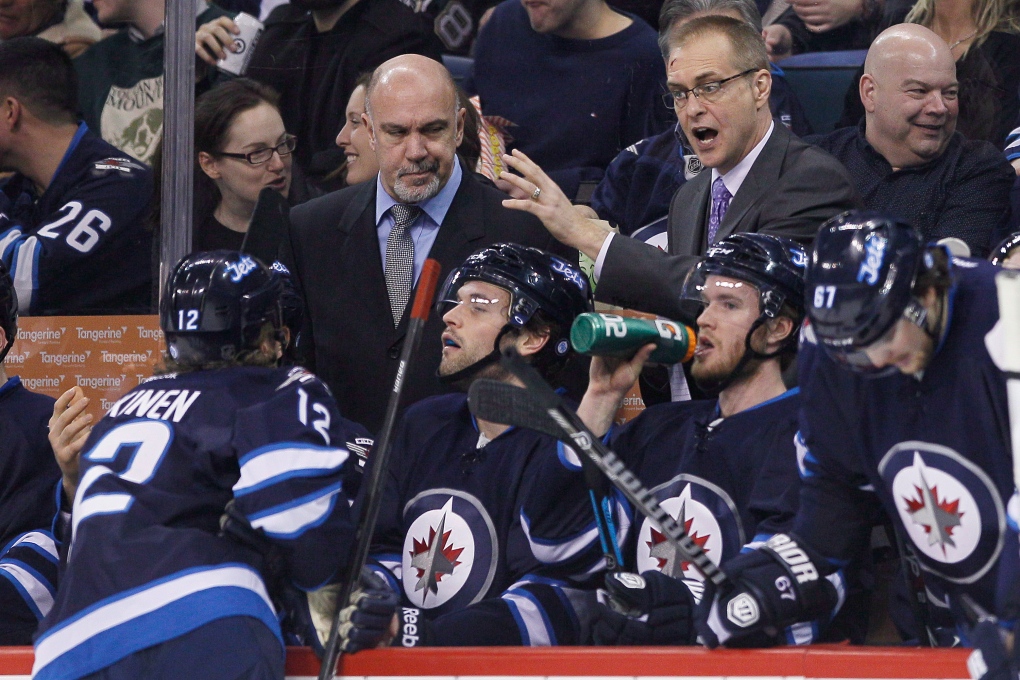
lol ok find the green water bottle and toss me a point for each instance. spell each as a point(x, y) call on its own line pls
point(597, 334)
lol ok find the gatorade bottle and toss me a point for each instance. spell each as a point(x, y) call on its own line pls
point(612, 335)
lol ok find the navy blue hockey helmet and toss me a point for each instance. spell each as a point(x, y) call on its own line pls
point(1005, 249)
point(537, 280)
point(8, 310)
point(860, 281)
point(773, 264)
point(216, 304)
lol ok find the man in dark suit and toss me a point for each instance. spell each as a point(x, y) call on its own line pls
point(357, 253)
point(758, 177)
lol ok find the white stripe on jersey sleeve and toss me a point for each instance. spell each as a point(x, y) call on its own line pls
point(40, 598)
point(76, 631)
point(293, 520)
point(24, 273)
point(528, 613)
point(43, 541)
point(7, 239)
point(553, 551)
point(289, 461)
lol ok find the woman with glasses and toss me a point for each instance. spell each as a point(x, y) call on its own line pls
point(241, 148)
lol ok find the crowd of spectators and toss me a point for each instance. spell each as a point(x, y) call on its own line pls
point(643, 155)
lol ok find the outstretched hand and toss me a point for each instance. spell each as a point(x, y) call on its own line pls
point(69, 427)
point(546, 201)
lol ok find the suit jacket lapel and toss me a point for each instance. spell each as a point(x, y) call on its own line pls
point(687, 236)
point(764, 173)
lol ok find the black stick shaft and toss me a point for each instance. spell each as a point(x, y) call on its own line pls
point(607, 461)
point(380, 457)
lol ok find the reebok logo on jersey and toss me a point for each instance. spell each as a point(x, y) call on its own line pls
point(791, 553)
point(409, 626)
point(874, 249)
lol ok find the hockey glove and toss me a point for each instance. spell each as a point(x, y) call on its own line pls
point(768, 589)
point(650, 609)
point(995, 654)
point(365, 623)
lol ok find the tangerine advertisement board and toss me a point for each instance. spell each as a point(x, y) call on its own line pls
point(106, 356)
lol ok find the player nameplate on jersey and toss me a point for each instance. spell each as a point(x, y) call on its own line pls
point(707, 514)
point(450, 550)
point(949, 507)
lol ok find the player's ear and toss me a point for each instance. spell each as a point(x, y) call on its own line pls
point(10, 113)
point(779, 329)
point(530, 342)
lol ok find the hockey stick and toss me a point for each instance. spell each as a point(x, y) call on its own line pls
point(571, 429)
point(380, 454)
point(1007, 282)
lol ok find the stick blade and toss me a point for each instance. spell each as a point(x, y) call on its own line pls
point(500, 402)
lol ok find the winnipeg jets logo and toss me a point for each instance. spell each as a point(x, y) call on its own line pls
point(569, 273)
point(449, 554)
point(434, 558)
point(669, 559)
point(690, 512)
point(949, 508)
point(937, 516)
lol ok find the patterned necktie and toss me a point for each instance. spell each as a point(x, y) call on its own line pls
point(400, 259)
point(720, 203)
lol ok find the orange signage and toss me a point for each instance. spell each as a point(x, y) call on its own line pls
point(103, 355)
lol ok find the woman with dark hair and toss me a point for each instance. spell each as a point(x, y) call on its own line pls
point(241, 148)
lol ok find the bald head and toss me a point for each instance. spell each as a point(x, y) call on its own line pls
point(909, 91)
point(911, 42)
point(415, 125)
point(411, 75)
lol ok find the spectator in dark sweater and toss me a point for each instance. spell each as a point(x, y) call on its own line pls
point(906, 158)
point(640, 182)
point(828, 25)
point(312, 52)
point(578, 80)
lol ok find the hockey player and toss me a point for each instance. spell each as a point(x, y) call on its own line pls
point(726, 468)
point(481, 525)
point(29, 481)
point(152, 587)
point(903, 406)
point(72, 217)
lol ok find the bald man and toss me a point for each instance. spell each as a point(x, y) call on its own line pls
point(906, 158)
point(358, 252)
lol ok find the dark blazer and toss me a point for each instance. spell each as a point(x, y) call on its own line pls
point(333, 251)
point(791, 189)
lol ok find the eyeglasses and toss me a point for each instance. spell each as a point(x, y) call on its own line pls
point(284, 148)
point(708, 92)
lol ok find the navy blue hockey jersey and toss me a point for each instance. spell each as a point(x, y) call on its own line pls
point(29, 476)
point(727, 481)
point(933, 449)
point(83, 247)
point(28, 567)
point(146, 564)
point(485, 540)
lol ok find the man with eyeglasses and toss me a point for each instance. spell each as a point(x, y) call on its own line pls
point(72, 217)
point(761, 178)
point(904, 409)
point(906, 157)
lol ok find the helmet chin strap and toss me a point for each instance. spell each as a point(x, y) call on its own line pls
point(464, 376)
point(749, 354)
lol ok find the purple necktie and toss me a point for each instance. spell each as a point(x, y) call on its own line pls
point(720, 203)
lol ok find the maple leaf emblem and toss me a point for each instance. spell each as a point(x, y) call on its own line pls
point(937, 516)
point(434, 558)
point(670, 560)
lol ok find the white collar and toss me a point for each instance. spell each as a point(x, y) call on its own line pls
point(735, 177)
